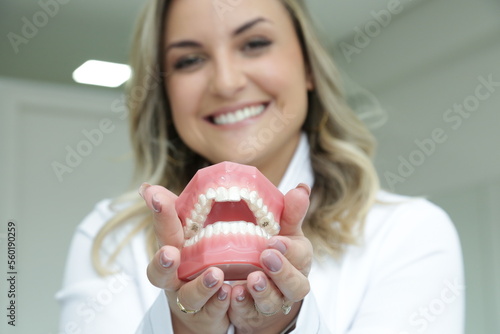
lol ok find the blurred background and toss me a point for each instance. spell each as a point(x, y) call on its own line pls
point(424, 75)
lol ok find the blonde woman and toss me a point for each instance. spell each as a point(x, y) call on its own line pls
point(247, 81)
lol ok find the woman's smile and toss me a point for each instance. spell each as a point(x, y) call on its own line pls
point(229, 78)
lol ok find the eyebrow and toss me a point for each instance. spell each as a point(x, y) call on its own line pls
point(194, 44)
point(249, 25)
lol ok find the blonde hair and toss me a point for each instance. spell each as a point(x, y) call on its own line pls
point(341, 146)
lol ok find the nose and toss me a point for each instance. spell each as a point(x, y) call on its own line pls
point(228, 77)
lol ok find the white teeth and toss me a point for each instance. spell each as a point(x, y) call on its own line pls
point(253, 196)
point(239, 115)
point(234, 194)
point(198, 208)
point(222, 195)
point(209, 231)
point(202, 199)
point(226, 228)
point(211, 194)
point(244, 193)
point(260, 203)
point(259, 214)
point(264, 218)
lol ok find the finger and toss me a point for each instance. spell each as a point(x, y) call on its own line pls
point(297, 250)
point(168, 227)
point(296, 204)
point(218, 305)
point(242, 309)
point(266, 296)
point(195, 294)
point(162, 270)
point(292, 283)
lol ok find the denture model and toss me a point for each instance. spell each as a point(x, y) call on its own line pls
point(228, 212)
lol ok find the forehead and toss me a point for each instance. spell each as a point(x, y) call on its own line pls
point(208, 17)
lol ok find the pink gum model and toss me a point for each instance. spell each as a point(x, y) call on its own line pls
point(228, 212)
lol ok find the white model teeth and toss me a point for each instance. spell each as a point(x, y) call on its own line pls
point(226, 228)
point(239, 115)
point(264, 218)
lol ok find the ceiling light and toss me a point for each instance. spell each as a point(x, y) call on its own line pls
point(102, 73)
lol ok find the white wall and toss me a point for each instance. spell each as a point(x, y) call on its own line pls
point(428, 59)
point(37, 122)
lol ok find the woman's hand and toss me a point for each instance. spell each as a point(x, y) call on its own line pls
point(262, 305)
point(198, 306)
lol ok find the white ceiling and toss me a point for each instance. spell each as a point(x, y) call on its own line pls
point(427, 59)
point(96, 29)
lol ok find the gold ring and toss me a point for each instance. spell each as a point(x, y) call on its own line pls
point(185, 310)
point(265, 313)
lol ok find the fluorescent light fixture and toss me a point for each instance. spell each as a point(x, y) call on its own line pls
point(102, 73)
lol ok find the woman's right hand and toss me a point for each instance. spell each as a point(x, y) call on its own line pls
point(207, 293)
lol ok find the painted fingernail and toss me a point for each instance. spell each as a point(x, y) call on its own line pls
point(210, 280)
point(165, 261)
point(260, 285)
point(272, 261)
point(156, 204)
point(278, 245)
point(143, 188)
point(305, 187)
point(222, 295)
point(241, 296)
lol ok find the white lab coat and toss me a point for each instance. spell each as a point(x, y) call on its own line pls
point(405, 277)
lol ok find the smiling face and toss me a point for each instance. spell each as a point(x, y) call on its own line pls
point(237, 83)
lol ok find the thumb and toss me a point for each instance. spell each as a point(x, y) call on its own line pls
point(167, 225)
point(296, 203)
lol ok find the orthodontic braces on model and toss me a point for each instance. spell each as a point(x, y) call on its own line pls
point(228, 212)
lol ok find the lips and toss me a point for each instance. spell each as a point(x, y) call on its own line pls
point(228, 116)
point(228, 212)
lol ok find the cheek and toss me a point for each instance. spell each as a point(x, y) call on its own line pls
point(283, 74)
point(183, 96)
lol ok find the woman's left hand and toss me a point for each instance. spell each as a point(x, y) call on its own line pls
point(268, 304)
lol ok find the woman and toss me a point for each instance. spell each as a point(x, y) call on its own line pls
point(247, 81)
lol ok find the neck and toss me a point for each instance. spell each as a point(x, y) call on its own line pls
point(275, 166)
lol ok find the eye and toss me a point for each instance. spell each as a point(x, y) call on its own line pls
point(256, 46)
point(188, 62)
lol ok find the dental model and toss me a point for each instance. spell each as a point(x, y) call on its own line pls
point(228, 212)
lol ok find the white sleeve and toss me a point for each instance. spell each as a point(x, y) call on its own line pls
point(310, 319)
point(417, 282)
point(157, 320)
point(407, 280)
point(90, 303)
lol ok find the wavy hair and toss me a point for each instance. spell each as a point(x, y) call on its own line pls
point(341, 146)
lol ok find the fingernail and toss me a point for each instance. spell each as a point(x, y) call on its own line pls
point(143, 188)
point(210, 280)
point(156, 204)
point(241, 296)
point(260, 285)
point(278, 245)
point(222, 295)
point(305, 187)
point(272, 261)
point(165, 261)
